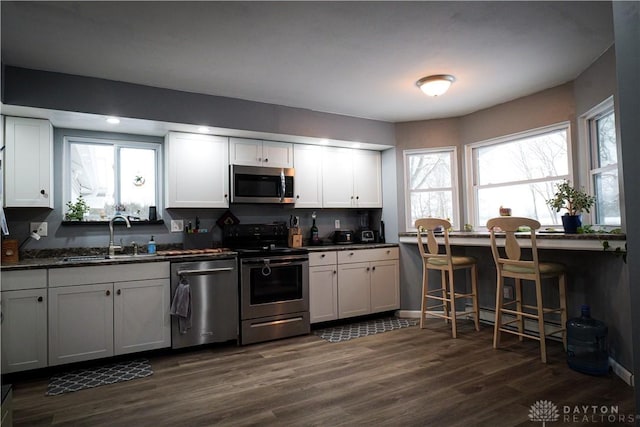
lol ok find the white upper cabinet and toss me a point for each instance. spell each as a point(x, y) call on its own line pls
point(351, 178)
point(255, 152)
point(28, 163)
point(197, 171)
point(308, 176)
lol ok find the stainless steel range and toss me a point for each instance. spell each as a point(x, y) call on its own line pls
point(273, 282)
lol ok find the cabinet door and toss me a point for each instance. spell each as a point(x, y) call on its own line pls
point(28, 163)
point(277, 154)
point(354, 297)
point(385, 286)
point(80, 323)
point(141, 315)
point(197, 171)
point(337, 178)
point(246, 152)
point(367, 176)
point(24, 330)
point(323, 293)
point(308, 179)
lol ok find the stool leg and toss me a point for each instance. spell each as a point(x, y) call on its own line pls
point(498, 318)
point(452, 300)
point(542, 332)
point(563, 305)
point(445, 300)
point(518, 286)
point(474, 291)
point(425, 288)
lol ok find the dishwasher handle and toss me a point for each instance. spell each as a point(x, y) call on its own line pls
point(203, 271)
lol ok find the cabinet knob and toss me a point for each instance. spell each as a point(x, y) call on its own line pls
point(108, 292)
point(373, 268)
point(266, 160)
point(119, 292)
point(351, 197)
point(368, 269)
point(297, 196)
point(226, 195)
point(259, 159)
point(323, 255)
point(42, 192)
point(40, 299)
point(357, 197)
point(335, 272)
point(350, 253)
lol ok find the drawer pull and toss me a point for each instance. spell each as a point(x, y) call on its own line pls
point(108, 292)
point(323, 255)
point(119, 292)
point(373, 268)
point(40, 299)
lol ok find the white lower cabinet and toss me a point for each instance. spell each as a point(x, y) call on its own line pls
point(24, 329)
point(91, 321)
point(368, 281)
point(80, 323)
point(323, 287)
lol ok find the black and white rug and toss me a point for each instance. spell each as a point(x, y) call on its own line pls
point(101, 375)
point(362, 329)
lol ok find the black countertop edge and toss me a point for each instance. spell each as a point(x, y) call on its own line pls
point(35, 263)
point(356, 246)
point(539, 235)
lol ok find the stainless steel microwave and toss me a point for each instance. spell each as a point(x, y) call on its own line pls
point(256, 184)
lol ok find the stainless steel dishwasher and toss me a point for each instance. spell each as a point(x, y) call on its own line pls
point(214, 302)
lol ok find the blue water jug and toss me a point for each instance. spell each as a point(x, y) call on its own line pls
point(587, 344)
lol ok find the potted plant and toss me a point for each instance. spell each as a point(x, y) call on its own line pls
point(76, 211)
point(575, 201)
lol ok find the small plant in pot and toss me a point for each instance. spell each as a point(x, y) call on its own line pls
point(575, 201)
point(76, 211)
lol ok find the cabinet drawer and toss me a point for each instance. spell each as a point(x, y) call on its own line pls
point(322, 258)
point(107, 274)
point(366, 255)
point(24, 279)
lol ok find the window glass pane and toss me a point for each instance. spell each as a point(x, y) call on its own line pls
point(137, 181)
point(524, 159)
point(437, 204)
point(92, 175)
point(606, 130)
point(607, 200)
point(432, 170)
point(527, 200)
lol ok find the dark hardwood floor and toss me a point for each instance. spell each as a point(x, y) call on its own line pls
point(406, 377)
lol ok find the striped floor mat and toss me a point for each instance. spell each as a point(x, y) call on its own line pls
point(362, 329)
point(94, 377)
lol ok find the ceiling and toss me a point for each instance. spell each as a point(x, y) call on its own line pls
point(358, 58)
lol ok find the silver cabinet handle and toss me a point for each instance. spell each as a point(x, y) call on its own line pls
point(203, 271)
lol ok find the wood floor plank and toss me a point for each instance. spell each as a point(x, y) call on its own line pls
point(408, 377)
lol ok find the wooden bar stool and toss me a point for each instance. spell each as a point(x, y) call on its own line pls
point(446, 264)
point(512, 266)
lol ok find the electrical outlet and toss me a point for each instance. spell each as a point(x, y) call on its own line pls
point(508, 292)
point(336, 224)
point(41, 228)
point(177, 225)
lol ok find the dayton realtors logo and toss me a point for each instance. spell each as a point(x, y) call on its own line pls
point(546, 411)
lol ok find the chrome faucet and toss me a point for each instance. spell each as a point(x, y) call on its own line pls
point(112, 247)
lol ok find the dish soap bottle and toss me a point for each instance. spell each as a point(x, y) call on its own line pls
point(315, 239)
point(151, 246)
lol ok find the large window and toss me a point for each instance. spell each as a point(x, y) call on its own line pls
point(112, 176)
point(431, 183)
point(518, 172)
point(601, 124)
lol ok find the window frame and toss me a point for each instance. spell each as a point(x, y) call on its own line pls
point(117, 144)
point(472, 173)
point(455, 193)
point(588, 124)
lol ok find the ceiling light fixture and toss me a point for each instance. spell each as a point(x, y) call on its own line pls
point(435, 85)
point(113, 120)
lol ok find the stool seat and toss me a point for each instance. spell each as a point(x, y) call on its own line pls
point(456, 260)
point(509, 264)
point(433, 259)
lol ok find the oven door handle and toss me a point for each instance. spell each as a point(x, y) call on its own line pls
point(203, 271)
point(272, 264)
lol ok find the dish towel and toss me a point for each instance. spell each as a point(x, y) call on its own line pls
point(181, 305)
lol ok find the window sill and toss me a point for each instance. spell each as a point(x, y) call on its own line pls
point(101, 223)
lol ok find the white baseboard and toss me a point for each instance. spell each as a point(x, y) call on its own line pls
point(488, 316)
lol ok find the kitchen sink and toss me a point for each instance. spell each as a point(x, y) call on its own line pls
point(131, 256)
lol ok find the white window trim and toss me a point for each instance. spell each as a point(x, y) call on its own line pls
point(454, 182)
point(67, 140)
point(472, 195)
point(585, 130)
